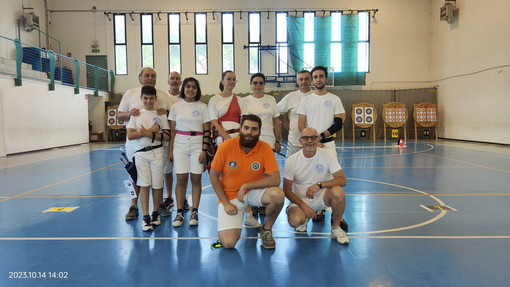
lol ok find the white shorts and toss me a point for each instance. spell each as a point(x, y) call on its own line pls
point(225, 221)
point(187, 150)
point(317, 203)
point(149, 165)
point(169, 166)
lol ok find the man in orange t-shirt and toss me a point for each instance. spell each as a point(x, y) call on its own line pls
point(244, 172)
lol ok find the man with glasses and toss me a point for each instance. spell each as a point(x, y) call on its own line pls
point(313, 180)
point(289, 104)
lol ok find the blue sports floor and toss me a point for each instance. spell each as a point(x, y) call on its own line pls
point(425, 215)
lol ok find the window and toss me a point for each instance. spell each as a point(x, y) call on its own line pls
point(174, 42)
point(281, 43)
point(254, 40)
point(309, 46)
point(363, 41)
point(119, 31)
point(336, 42)
point(200, 43)
point(147, 34)
point(227, 40)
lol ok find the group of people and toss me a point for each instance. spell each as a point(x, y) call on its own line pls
point(173, 132)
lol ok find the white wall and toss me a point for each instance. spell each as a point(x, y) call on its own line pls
point(471, 63)
point(35, 118)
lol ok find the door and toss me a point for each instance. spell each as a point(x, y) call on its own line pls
point(100, 61)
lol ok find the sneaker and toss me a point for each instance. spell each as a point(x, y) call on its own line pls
point(193, 218)
point(186, 205)
point(267, 238)
point(319, 216)
point(302, 227)
point(262, 210)
point(147, 225)
point(164, 211)
point(250, 221)
point(343, 223)
point(339, 235)
point(156, 219)
point(132, 213)
point(179, 218)
point(169, 203)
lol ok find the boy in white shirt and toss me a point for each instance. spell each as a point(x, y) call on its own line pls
point(147, 133)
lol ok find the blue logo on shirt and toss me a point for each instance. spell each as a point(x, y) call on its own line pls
point(195, 113)
point(319, 168)
point(255, 166)
point(266, 106)
point(328, 104)
point(232, 164)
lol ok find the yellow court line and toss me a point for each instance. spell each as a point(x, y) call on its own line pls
point(406, 167)
point(252, 237)
point(57, 183)
point(469, 163)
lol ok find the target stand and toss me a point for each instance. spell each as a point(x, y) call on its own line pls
point(112, 122)
point(364, 116)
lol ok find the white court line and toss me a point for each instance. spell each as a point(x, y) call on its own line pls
point(251, 237)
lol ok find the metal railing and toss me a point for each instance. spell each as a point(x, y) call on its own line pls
point(25, 61)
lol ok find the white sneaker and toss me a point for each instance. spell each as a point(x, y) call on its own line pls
point(250, 221)
point(302, 227)
point(339, 235)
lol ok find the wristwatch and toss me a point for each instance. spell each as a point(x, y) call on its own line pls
point(319, 184)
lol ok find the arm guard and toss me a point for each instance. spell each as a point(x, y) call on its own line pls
point(336, 126)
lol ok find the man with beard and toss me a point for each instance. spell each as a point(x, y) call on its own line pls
point(313, 180)
point(244, 172)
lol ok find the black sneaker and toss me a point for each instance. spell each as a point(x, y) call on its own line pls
point(169, 203)
point(164, 211)
point(146, 224)
point(319, 216)
point(156, 219)
point(132, 213)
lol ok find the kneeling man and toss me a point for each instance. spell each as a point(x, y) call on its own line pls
point(244, 172)
point(313, 180)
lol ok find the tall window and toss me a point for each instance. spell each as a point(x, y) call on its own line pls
point(309, 45)
point(363, 41)
point(147, 34)
point(336, 42)
point(254, 40)
point(227, 40)
point(200, 43)
point(119, 31)
point(174, 42)
point(282, 49)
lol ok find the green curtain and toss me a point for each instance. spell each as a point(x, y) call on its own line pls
point(296, 38)
point(322, 35)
